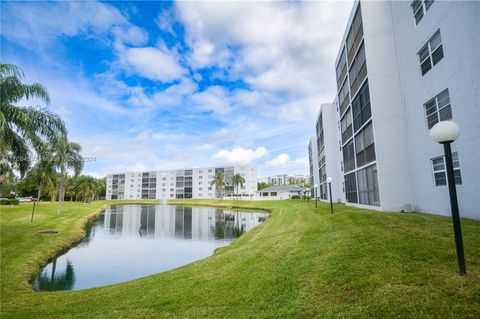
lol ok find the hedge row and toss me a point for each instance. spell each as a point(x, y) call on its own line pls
point(8, 201)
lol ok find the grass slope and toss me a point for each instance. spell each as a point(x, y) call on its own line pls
point(301, 263)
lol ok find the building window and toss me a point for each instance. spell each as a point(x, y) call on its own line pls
point(321, 157)
point(346, 126)
point(355, 35)
point(323, 191)
point(323, 174)
point(431, 53)
point(351, 188)
point(358, 70)
point(341, 68)
point(344, 97)
point(368, 186)
point(349, 157)
point(365, 146)
point(361, 108)
point(438, 109)
point(439, 170)
point(419, 8)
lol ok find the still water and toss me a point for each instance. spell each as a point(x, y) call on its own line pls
point(132, 241)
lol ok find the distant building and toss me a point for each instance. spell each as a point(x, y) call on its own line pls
point(280, 192)
point(401, 68)
point(182, 183)
point(285, 179)
point(313, 167)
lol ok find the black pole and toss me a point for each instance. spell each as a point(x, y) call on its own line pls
point(33, 211)
point(330, 191)
point(462, 270)
point(316, 195)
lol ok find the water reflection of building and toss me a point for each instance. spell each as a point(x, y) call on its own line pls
point(197, 223)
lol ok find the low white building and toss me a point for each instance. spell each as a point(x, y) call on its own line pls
point(280, 192)
point(184, 183)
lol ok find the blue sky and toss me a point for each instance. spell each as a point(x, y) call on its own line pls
point(164, 85)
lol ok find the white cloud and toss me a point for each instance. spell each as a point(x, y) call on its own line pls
point(282, 161)
point(36, 25)
point(214, 99)
point(240, 155)
point(285, 51)
point(279, 161)
point(131, 34)
point(155, 63)
point(166, 21)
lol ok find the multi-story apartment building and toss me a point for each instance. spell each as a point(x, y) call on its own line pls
point(184, 183)
point(328, 151)
point(313, 167)
point(401, 68)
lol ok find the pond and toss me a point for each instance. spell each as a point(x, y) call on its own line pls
point(131, 241)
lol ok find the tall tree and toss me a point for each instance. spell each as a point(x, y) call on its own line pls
point(66, 157)
point(22, 127)
point(43, 172)
point(219, 182)
point(238, 181)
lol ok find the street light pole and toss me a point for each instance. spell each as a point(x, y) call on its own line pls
point(445, 133)
point(329, 181)
point(315, 194)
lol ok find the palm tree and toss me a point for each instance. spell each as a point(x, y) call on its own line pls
point(67, 156)
point(100, 188)
point(87, 186)
point(219, 182)
point(43, 172)
point(238, 181)
point(23, 126)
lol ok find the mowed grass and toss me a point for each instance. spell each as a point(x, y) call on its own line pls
point(301, 263)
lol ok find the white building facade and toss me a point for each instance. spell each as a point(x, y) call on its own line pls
point(401, 68)
point(313, 167)
point(328, 152)
point(183, 183)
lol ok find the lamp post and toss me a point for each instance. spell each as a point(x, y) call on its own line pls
point(445, 133)
point(329, 181)
point(315, 193)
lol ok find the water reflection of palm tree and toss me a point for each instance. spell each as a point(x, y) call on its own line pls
point(56, 281)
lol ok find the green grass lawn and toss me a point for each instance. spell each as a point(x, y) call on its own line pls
point(301, 263)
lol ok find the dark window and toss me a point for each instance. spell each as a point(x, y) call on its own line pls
point(361, 107)
point(368, 193)
point(419, 8)
point(365, 146)
point(438, 109)
point(348, 157)
point(346, 126)
point(355, 35)
point(341, 68)
point(351, 188)
point(439, 170)
point(358, 70)
point(431, 53)
point(343, 97)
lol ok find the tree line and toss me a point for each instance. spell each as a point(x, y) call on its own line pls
point(34, 145)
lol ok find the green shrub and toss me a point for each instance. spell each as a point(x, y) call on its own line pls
point(295, 197)
point(8, 201)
